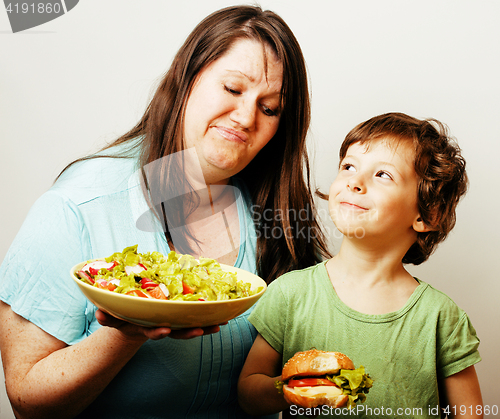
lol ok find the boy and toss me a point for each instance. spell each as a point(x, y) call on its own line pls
point(394, 200)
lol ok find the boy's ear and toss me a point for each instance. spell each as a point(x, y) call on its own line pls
point(420, 227)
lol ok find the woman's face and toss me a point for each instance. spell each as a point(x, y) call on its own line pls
point(233, 110)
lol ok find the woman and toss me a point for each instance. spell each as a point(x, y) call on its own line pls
point(236, 94)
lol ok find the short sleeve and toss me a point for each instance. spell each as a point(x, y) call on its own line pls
point(269, 316)
point(34, 276)
point(460, 350)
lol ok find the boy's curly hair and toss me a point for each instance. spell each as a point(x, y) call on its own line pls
point(440, 167)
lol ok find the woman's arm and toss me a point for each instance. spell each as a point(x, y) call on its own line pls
point(256, 392)
point(47, 378)
point(462, 395)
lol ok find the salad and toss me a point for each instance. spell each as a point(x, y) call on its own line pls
point(172, 277)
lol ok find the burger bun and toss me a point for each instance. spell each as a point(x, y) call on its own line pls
point(315, 396)
point(315, 362)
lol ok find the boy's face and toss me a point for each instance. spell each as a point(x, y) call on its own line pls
point(375, 192)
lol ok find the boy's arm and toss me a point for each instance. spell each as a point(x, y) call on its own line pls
point(257, 394)
point(462, 395)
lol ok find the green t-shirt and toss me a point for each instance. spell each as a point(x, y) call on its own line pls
point(406, 352)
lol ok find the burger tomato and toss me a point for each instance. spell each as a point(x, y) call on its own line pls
point(314, 378)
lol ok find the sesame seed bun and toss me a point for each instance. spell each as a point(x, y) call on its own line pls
point(315, 362)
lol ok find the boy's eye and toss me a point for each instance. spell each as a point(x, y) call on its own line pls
point(384, 175)
point(348, 166)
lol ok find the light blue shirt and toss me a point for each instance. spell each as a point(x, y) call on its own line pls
point(90, 212)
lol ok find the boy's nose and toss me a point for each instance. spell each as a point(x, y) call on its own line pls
point(356, 184)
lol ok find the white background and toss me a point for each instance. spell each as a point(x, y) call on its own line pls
point(70, 85)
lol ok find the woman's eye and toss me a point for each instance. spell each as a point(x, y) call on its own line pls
point(232, 90)
point(268, 111)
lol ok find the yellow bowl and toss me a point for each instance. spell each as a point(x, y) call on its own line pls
point(174, 314)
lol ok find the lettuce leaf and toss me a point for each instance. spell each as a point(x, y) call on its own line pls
point(279, 386)
point(354, 383)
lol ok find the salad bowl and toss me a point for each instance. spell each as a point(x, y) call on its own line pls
point(176, 314)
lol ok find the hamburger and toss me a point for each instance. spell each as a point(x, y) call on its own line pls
point(315, 378)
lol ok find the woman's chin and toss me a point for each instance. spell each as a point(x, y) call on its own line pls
point(226, 164)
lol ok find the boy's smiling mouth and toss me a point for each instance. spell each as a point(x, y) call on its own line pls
point(352, 206)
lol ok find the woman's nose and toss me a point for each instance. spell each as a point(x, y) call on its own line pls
point(244, 115)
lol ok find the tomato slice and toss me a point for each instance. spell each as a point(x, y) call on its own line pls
point(310, 382)
point(186, 289)
point(157, 293)
point(138, 293)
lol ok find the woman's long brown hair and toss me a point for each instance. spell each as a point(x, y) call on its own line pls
point(288, 233)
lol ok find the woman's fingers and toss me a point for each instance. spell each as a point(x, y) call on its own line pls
point(194, 332)
point(106, 319)
point(153, 333)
